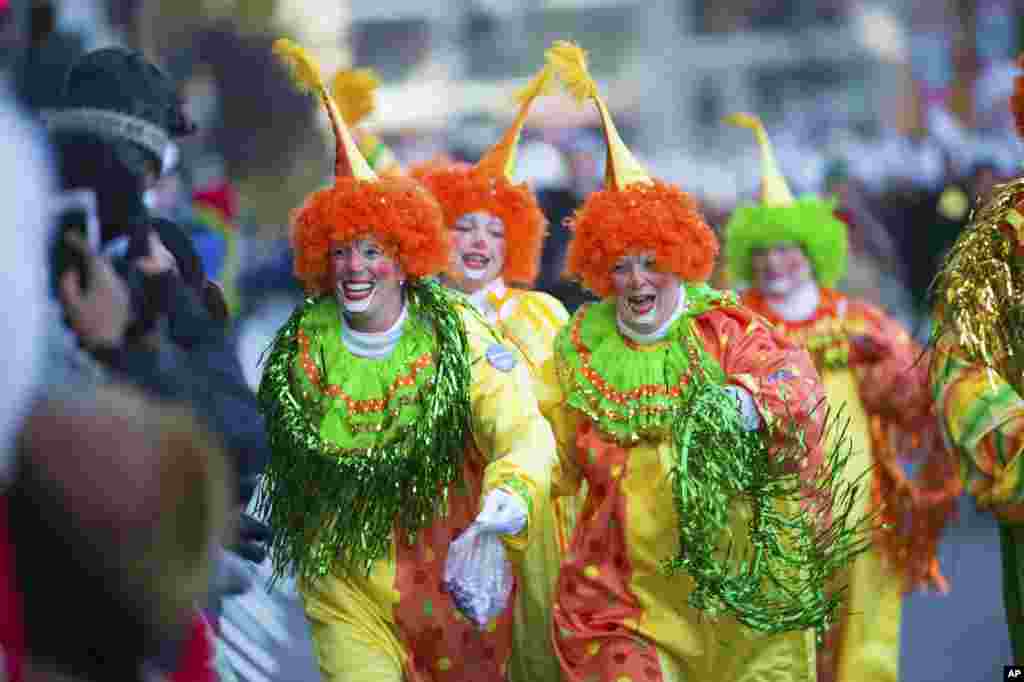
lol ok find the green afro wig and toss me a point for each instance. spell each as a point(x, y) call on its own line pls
point(810, 222)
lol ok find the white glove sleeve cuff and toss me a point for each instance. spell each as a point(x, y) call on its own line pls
point(748, 410)
point(503, 512)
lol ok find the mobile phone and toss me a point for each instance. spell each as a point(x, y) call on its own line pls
point(74, 211)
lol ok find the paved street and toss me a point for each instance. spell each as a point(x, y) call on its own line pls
point(267, 635)
point(960, 637)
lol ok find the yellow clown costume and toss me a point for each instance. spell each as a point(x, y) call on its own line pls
point(666, 576)
point(384, 445)
point(883, 388)
point(531, 320)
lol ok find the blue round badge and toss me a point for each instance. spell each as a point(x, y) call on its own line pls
point(501, 358)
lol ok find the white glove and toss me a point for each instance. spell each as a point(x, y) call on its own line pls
point(749, 415)
point(503, 513)
point(477, 574)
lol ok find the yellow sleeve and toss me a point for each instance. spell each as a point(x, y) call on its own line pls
point(547, 312)
point(533, 323)
point(566, 477)
point(508, 428)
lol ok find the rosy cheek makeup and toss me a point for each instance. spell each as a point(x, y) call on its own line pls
point(382, 270)
point(792, 265)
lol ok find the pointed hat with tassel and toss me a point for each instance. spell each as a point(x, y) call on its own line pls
point(570, 62)
point(780, 219)
point(490, 186)
point(634, 213)
point(348, 161)
point(355, 91)
point(774, 190)
point(500, 160)
point(397, 212)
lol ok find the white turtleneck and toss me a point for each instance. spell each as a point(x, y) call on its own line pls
point(659, 333)
point(799, 305)
point(479, 298)
point(373, 344)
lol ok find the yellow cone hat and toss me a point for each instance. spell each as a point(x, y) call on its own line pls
point(490, 186)
point(501, 159)
point(774, 190)
point(570, 63)
point(348, 162)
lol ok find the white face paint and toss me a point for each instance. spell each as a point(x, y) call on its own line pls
point(643, 308)
point(479, 253)
point(474, 273)
point(645, 296)
point(780, 271)
point(367, 283)
point(355, 297)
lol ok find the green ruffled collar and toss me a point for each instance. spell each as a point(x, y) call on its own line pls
point(361, 402)
point(629, 391)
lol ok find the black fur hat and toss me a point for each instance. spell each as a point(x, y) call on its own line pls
point(125, 82)
point(117, 96)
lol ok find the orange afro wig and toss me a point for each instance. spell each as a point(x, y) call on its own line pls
point(1017, 99)
point(462, 189)
point(658, 217)
point(397, 211)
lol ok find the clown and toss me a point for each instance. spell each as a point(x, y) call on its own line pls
point(497, 232)
point(396, 414)
point(976, 372)
point(792, 251)
point(691, 421)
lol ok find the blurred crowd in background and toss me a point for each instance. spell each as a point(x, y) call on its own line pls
point(896, 108)
point(899, 110)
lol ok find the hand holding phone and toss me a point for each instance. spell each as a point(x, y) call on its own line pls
point(100, 314)
point(75, 213)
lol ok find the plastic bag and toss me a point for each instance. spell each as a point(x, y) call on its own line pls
point(478, 575)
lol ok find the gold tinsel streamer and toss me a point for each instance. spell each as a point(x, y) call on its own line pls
point(977, 292)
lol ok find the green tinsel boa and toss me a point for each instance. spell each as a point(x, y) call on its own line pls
point(773, 580)
point(334, 505)
point(777, 578)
